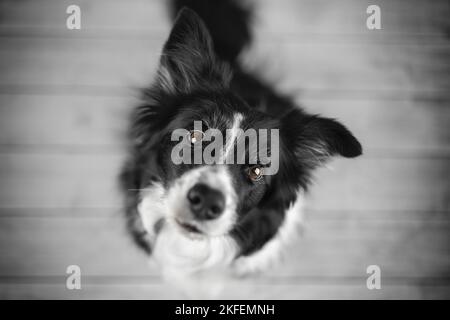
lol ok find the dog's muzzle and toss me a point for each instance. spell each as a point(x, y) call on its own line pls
point(205, 203)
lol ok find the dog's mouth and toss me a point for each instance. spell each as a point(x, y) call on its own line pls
point(187, 226)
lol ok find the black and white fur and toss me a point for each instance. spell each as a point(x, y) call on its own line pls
point(199, 78)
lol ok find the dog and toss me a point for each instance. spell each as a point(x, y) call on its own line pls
point(201, 220)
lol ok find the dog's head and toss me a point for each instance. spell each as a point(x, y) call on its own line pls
point(256, 161)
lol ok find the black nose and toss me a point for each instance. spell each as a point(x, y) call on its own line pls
point(206, 203)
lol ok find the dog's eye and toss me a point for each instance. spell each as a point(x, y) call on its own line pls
point(196, 136)
point(255, 173)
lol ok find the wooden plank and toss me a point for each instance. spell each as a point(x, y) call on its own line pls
point(307, 16)
point(257, 292)
point(87, 62)
point(43, 247)
point(88, 291)
point(375, 71)
point(34, 120)
point(60, 181)
point(328, 251)
point(63, 120)
point(89, 180)
point(384, 184)
point(99, 15)
point(402, 249)
point(389, 125)
point(335, 291)
point(405, 72)
point(398, 17)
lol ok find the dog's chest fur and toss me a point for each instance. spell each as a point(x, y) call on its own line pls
point(207, 262)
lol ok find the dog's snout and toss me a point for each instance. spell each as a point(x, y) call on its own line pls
point(205, 202)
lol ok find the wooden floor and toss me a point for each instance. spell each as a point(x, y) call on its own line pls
point(64, 100)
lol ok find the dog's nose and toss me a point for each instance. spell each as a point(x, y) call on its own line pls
point(206, 203)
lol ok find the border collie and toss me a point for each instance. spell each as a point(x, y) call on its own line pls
point(210, 219)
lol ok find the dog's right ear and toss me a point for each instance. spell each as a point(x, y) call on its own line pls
point(314, 139)
point(188, 60)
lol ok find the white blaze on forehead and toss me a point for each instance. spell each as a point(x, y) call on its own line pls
point(232, 133)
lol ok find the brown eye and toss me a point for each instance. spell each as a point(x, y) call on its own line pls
point(255, 173)
point(195, 136)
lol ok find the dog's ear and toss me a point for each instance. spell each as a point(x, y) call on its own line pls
point(314, 139)
point(306, 142)
point(188, 60)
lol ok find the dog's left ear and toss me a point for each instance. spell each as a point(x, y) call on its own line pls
point(314, 139)
point(188, 60)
